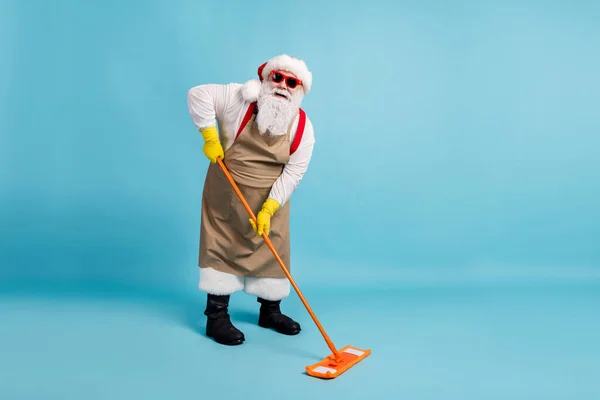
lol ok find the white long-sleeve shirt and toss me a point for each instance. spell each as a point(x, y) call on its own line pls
point(223, 105)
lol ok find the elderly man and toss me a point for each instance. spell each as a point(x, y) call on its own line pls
point(266, 141)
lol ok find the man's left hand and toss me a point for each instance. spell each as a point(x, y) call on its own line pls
point(264, 217)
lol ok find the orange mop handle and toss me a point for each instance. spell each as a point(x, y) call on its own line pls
point(270, 245)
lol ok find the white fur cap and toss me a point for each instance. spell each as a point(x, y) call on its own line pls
point(251, 88)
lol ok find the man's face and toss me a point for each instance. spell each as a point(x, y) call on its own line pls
point(285, 85)
point(278, 102)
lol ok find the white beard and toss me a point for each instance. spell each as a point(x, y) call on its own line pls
point(275, 113)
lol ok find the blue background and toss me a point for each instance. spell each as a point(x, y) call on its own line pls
point(457, 155)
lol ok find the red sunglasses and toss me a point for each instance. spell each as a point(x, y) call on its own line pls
point(290, 81)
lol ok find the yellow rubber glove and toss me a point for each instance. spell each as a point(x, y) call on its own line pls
point(212, 146)
point(263, 218)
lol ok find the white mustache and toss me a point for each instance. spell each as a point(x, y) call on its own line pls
point(282, 92)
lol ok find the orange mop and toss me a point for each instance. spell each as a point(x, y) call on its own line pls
point(340, 360)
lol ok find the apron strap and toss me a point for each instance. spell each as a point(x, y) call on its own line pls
point(247, 117)
point(299, 132)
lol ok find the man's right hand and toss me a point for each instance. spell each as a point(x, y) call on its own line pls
point(212, 146)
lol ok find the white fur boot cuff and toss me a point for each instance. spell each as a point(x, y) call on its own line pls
point(268, 288)
point(219, 283)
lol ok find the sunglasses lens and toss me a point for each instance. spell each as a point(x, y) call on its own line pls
point(277, 77)
point(291, 82)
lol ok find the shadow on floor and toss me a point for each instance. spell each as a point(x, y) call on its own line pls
point(183, 309)
point(188, 311)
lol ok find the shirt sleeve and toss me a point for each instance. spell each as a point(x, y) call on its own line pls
point(209, 103)
point(294, 170)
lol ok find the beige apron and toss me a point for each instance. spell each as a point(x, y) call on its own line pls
point(228, 243)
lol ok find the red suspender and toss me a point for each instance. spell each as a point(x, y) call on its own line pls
point(247, 117)
point(299, 130)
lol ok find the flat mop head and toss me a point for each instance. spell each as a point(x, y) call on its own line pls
point(330, 368)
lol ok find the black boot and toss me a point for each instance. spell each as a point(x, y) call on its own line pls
point(271, 317)
point(219, 326)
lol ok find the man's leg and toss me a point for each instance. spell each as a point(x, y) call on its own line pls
point(219, 286)
point(269, 293)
